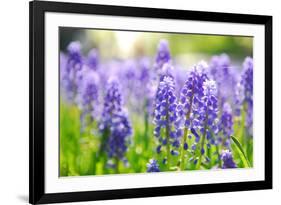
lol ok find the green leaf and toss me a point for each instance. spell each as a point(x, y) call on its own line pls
point(241, 152)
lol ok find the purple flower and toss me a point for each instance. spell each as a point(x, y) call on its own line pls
point(217, 63)
point(88, 89)
point(163, 54)
point(244, 93)
point(88, 92)
point(191, 95)
point(115, 121)
point(152, 166)
point(180, 78)
point(238, 98)
point(227, 160)
point(165, 115)
point(190, 100)
point(209, 109)
point(75, 58)
point(226, 124)
point(71, 64)
point(166, 70)
point(120, 131)
point(208, 116)
point(192, 104)
point(247, 78)
point(113, 100)
point(225, 76)
point(144, 66)
point(142, 87)
point(93, 59)
point(247, 82)
point(128, 76)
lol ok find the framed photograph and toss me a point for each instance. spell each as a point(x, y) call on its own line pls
point(140, 102)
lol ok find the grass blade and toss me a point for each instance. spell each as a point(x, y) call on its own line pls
point(241, 152)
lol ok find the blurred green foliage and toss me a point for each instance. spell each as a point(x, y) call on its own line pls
point(110, 45)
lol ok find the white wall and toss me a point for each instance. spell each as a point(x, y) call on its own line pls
point(14, 99)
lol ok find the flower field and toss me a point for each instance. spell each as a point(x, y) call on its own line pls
point(148, 113)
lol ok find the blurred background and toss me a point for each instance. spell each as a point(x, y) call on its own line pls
point(186, 49)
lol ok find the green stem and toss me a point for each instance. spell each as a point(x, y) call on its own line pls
point(101, 154)
point(168, 139)
point(182, 164)
point(168, 146)
point(117, 165)
point(245, 138)
point(242, 123)
point(182, 161)
point(219, 159)
point(203, 141)
point(146, 125)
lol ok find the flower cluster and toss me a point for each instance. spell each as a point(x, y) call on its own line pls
point(226, 125)
point(191, 96)
point(225, 76)
point(88, 93)
point(244, 94)
point(152, 166)
point(190, 104)
point(93, 59)
point(120, 130)
point(163, 54)
point(208, 116)
point(227, 159)
point(247, 82)
point(166, 116)
point(71, 64)
point(115, 121)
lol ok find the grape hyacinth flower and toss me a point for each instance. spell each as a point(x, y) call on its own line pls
point(119, 132)
point(106, 70)
point(227, 160)
point(113, 100)
point(247, 78)
point(128, 74)
point(166, 70)
point(238, 98)
point(74, 63)
point(88, 93)
point(208, 116)
point(138, 80)
point(247, 82)
point(75, 58)
point(115, 123)
point(244, 95)
point(180, 78)
point(217, 63)
point(152, 166)
point(225, 76)
point(189, 106)
point(226, 125)
point(163, 54)
point(144, 90)
point(166, 117)
point(93, 59)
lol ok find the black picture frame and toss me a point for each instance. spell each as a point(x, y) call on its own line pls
point(37, 9)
